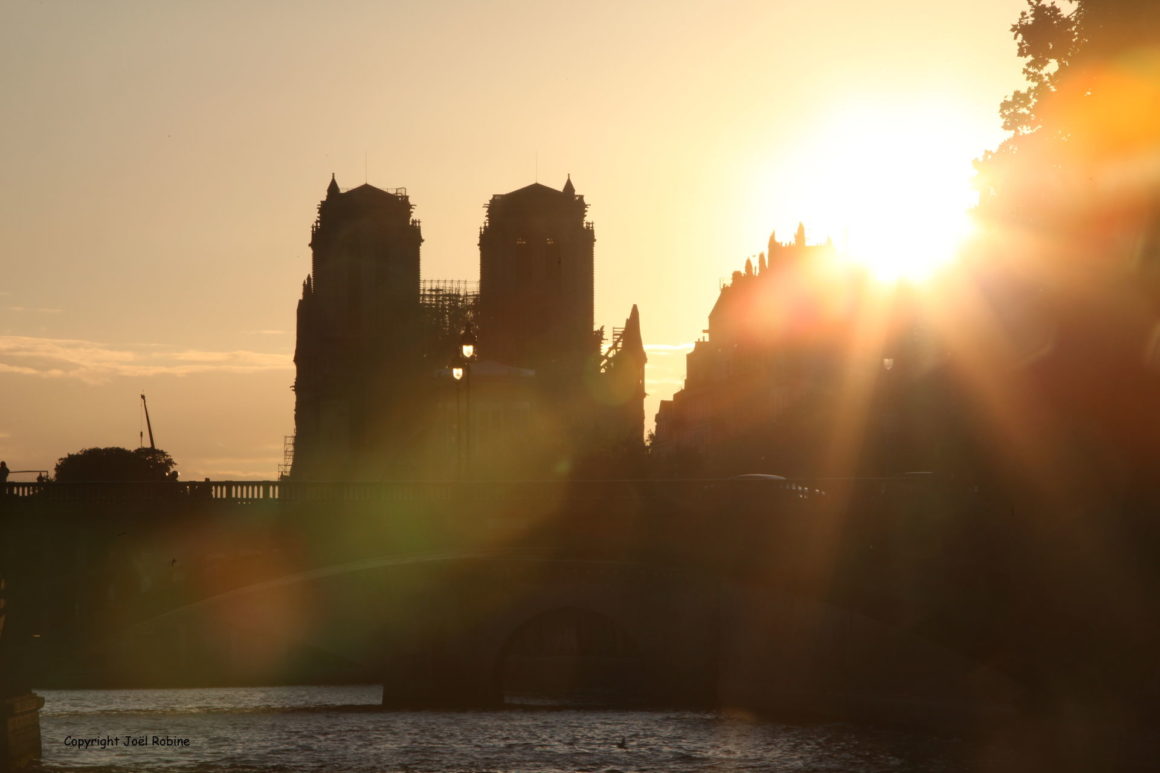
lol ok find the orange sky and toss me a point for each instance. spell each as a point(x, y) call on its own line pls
point(163, 163)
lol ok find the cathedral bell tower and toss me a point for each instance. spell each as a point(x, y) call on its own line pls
point(536, 279)
point(356, 323)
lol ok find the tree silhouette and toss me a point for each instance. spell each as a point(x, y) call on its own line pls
point(115, 464)
point(1093, 80)
point(1047, 39)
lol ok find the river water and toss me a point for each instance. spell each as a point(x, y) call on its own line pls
point(342, 729)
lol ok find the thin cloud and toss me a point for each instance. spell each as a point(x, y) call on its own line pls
point(235, 468)
point(258, 360)
point(94, 362)
point(240, 462)
point(243, 475)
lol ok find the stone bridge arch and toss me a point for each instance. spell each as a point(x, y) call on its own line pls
point(459, 659)
point(437, 630)
point(571, 655)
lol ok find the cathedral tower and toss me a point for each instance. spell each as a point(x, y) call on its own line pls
point(535, 279)
point(356, 326)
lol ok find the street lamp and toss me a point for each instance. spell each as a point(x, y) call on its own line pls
point(467, 342)
point(461, 372)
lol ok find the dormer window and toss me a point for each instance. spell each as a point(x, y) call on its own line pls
point(521, 241)
point(549, 241)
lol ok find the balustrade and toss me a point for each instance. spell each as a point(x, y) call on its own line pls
point(530, 493)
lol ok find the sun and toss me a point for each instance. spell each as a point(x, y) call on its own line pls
point(907, 211)
point(890, 185)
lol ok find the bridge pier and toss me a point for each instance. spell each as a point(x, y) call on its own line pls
point(19, 731)
point(19, 706)
point(430, 680)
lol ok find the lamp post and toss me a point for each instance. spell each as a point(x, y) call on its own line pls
point(457, 372)
point(461, 372)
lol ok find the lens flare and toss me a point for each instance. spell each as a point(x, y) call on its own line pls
point(890, 184)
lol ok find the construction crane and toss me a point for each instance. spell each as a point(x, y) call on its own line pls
point(148, 423)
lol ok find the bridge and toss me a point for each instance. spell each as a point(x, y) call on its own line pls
point(807, 596)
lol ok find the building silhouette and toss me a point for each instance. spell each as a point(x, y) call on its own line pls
point(357, 322)
point(536, 279)
point(807, 369)
point(374, 395)
point(759, 384)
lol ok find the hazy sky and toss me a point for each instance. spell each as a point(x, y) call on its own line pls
point(163, 162)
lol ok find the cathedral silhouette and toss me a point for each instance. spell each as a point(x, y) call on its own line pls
point(383, 391)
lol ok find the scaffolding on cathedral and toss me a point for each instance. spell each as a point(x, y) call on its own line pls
point(449, 304)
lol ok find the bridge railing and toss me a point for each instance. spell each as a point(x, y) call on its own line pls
point(441, 491)
point(238, 491)
point(232, 491)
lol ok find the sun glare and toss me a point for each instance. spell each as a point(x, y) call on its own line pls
point(892, 188)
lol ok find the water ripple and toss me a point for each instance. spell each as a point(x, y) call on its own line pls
point(325, 729)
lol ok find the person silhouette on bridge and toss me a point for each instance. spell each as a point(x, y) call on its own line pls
point(3, 472)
